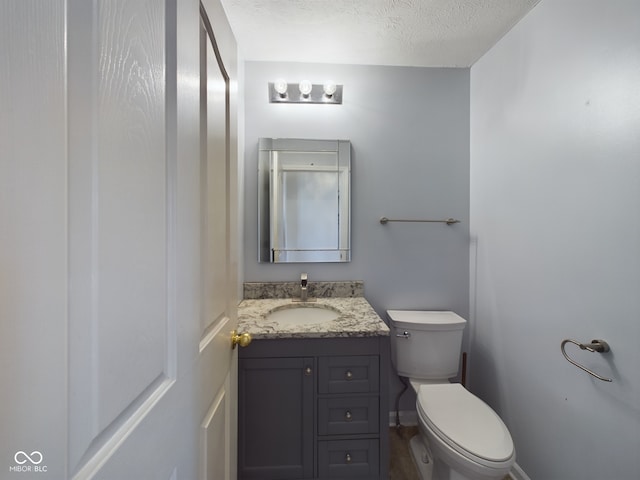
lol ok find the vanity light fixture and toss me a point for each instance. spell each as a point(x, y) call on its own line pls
point(305, 92)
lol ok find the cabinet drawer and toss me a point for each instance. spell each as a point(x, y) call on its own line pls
point(343, 416)
point(349, 458)
point(352, 374)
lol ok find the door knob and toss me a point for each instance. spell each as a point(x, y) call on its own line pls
point(242, 339)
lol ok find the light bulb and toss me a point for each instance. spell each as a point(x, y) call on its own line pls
point(305, 88)
point(280, 86)
point(329, 89)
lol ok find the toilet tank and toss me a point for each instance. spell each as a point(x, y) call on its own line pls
point(426, 344)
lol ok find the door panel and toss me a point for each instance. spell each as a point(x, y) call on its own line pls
point(215, 439)
point(131, 209)
point(214, 175)
point(213, 452)
point(125, 240)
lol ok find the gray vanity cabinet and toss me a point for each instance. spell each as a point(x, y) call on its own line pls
point(313, 409)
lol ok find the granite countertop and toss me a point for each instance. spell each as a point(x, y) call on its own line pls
point(357, 319)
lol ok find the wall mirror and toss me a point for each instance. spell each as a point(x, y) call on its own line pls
point(304, 200)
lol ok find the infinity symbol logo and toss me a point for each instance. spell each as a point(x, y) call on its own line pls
point(35, 457)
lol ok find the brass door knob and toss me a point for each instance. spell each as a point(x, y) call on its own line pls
point(242, 339)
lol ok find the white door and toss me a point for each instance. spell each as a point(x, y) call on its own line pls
point(117, 242)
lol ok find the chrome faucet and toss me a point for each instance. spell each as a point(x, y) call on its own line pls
point(303, 287)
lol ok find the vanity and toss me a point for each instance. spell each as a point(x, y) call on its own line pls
point(312, 385)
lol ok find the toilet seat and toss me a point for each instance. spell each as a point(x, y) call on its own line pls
point(465, 423)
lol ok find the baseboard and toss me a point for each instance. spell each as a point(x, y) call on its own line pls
point(517, 473)
point(408, 418)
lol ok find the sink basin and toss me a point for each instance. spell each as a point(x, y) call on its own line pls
point(303, 314)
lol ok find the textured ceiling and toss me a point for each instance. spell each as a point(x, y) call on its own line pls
point(425, 33)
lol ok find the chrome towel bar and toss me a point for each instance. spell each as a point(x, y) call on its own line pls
point(448, 221)
point(599, 346)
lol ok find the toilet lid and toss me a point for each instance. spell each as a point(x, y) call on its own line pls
point(464, 422)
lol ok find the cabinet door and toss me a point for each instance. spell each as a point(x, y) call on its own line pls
point(275, 418)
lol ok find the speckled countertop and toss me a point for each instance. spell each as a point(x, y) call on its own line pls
point(357, 318)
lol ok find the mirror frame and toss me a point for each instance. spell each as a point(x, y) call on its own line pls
point(266, 146)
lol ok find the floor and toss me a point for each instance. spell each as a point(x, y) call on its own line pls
point(401, 466)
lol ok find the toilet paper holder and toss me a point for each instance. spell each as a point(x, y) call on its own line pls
point(599, 346)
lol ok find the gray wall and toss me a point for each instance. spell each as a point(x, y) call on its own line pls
point(555, 208)
point(409, 129)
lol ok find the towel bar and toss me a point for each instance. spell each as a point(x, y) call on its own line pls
point(448, 221)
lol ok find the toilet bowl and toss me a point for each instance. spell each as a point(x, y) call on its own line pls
point(461, 437)
point(464, 433)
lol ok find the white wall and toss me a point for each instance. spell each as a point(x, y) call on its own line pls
point(409, 129)
point(555, 227)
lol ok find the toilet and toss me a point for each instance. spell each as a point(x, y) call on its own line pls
point(461, 437)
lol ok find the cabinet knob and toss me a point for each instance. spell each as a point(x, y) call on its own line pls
point(347, 458)
point(307, 371)
point(347, 416)
point(348, 375)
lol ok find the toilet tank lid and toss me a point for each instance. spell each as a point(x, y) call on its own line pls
point(426, 319)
